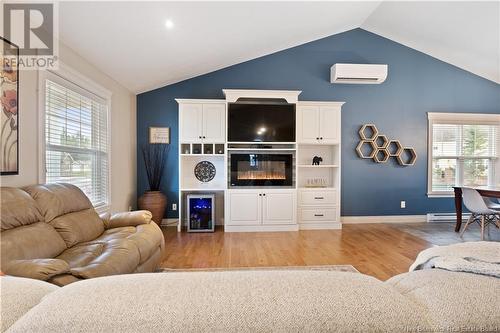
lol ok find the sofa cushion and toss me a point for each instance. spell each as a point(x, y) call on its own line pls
point(249, 301)
point(67, 208)
point(151, 264)
point(94, 259)
point(17, 208)
point(148, 238)
point(35, 241)
point(126, 219)
point(58, 199)
point(453, 300)
point(115, 233)
point(19, 295)
point(78, 227)
point(40, 269)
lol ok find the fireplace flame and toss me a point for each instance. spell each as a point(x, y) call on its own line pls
point(260, 175)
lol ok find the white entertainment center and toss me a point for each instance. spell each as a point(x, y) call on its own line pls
point(289, 195)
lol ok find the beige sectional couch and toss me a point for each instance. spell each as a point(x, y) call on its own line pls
point(259, 301)
point(52, 232)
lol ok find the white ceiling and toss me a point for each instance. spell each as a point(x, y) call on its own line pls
point(465, 34)
point(129, 41)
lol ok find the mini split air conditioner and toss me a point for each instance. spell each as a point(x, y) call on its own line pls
point(358, 73)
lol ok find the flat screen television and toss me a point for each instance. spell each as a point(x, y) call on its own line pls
point(261, 122)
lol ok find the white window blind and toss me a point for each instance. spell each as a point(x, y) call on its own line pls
point(463, 153)
point(76, 139)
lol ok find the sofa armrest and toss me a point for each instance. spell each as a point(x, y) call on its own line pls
point(40, 269)
point(127, 219)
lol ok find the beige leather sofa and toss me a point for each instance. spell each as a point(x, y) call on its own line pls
point(51, 232)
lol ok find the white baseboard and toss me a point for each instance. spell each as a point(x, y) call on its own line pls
point(169, 222)
point(384, 219)
point(261, 228)
point(320, 226)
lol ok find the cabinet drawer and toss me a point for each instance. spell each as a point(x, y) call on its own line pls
point(318, 215)
point(318, 198)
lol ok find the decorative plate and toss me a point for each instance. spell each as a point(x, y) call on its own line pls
point(204, 171)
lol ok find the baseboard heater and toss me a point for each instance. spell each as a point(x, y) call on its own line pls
point(445, 217)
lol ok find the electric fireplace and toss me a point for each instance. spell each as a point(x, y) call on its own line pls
point(261, 169)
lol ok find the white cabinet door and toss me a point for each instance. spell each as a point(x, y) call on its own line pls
point(308, 124)
point(245, 207)
point(214, 119)
point(190, 115)
point(329, 124)
point(279, 207)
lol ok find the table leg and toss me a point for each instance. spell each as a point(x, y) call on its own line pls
point(458, 208)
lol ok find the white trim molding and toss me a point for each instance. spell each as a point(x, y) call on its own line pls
point(464, 118)
point(321, 103)
point(261, 228)
point(457, 118)
point(204, 101)
point(232, 95)
point(169, 222)
point(384, 219)
point(66, 75)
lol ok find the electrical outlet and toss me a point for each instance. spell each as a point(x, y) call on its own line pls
point(174, 206)
point(403, 204)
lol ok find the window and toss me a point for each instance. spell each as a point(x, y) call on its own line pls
point(76, 138)
point(463, 151)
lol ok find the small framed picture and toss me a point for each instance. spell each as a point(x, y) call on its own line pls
point(159, 135)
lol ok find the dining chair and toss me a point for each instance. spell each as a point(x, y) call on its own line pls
point(480, 212)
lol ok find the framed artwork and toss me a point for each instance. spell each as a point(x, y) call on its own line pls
point(159, 135)
point(9, 117)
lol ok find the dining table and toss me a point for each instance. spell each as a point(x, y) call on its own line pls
point(485, 191)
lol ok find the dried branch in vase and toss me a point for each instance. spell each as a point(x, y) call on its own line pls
point(155, 157)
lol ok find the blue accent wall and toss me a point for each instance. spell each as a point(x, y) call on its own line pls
point(417, 84)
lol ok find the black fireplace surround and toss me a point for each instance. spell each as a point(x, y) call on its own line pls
point(261, 169)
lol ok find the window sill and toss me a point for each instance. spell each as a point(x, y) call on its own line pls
point(440, 195)
point(102, 209)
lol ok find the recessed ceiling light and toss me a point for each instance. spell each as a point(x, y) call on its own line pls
point(169, 24)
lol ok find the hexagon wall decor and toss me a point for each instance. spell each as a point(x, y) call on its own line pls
point(381, 156)
point(364, 144)
point(381, 141)
point(394, 148)
point(379, 148)
point(410, 159)
point(371, 128)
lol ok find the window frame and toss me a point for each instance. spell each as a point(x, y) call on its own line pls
point(461, 119)
point(87, 87)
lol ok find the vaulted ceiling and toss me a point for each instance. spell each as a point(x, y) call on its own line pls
point(130, 42)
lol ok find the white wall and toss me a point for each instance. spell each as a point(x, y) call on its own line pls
point(123, 131)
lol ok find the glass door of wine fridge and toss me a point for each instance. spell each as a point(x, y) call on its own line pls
point(201, 212)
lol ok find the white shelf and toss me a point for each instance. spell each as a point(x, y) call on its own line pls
point(201, 189)
point(262, 149)
point(319, 166)
point(221, 155)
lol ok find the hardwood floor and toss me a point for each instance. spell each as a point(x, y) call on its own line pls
point(380, 250)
